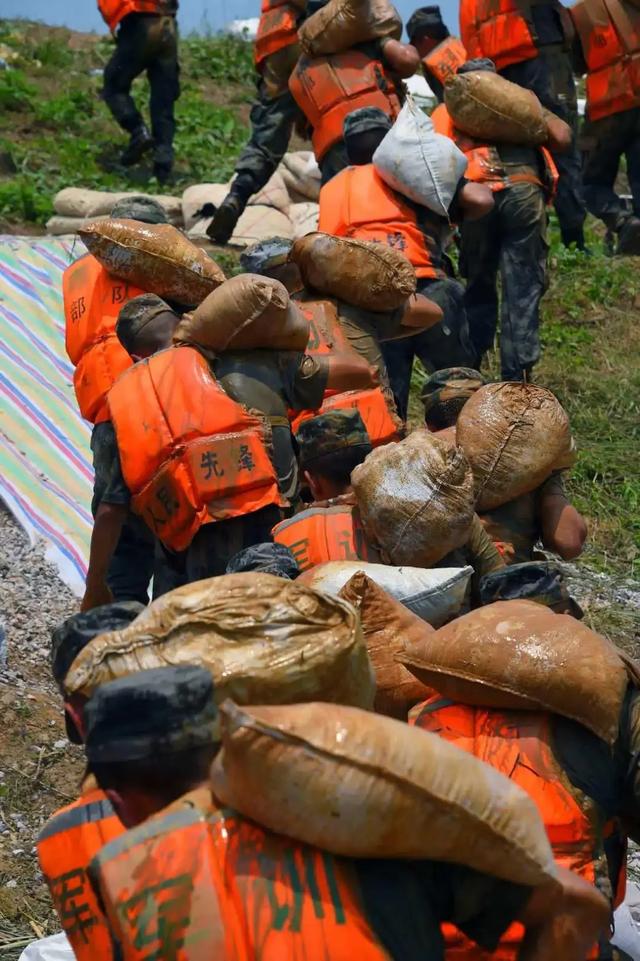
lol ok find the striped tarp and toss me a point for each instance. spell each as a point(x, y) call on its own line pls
point(45, 461)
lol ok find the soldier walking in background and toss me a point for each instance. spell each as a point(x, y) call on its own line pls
point(146, 39)
point(272, 115)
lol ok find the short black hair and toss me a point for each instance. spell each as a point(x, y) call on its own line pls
point(165, 776)
point(338, 466)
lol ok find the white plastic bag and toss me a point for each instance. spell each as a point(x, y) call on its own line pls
point(55, 948)
point(420, 163)
point(437, 595)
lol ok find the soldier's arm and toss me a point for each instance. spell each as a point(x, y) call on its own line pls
point(564, 529)
point(402, 58)
point(107, 528)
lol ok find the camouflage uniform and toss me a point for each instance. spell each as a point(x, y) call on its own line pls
point(540, 581)
point(330, 435)
point(515, 527)
point(604, 142)
point(160, 712)
point(268, 558)
point(445, 393)
point(480, 553)
point(146, 42)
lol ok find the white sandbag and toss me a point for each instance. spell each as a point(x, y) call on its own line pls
point(437, 595)
point(304, 218)
point(195, 197)
point(273, 194)
point(91, 204)
point(59, 226)
point(301, 175)
point(256, 223)
point(55, 948)
point(420, 163)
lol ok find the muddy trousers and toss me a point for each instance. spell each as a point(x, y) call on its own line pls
point(446, 345)
point(606, 141)
point(272, 119)
point(550, 76)
point(510, 242)
point(145, 42)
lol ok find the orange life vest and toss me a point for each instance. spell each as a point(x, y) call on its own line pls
point(66, 845)
point(329, 88)
point(326, 335)
point(199, 885)
point(501, 30)
point(518, 744)
point(322, 534)
point(277, 28)
point(92, 302)
point(609, 32)
point(445, 59)
point(382, 423)
point(484, 163)
point(358, 203)
point(190, 454)
point(113, 11)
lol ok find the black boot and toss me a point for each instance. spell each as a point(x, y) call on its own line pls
point(225, 219)
point(574, 235)
point(140, 143)
point(162, 173)
point(629, 237)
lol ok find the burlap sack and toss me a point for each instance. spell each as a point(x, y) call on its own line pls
point(415, 499)
point(435, 596)
point(363, 785)
point(514, 436)
point(264, 639)
point(157, 258)
point(256, 223)
point(389, 629)
point(301, 175)
point(485, 105)
point(86, 204)
point(341, 24)
point(365, 274)
point(197, 197)
point(448, 436)
point(246, 312)
point(58, 226)
point(304, 218)
point(273, 194)
point(519, 654)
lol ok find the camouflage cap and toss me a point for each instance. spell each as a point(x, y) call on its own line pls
point(159, 711)
point(480, 63)
point(135, 315)
point(426, 22)
point(265, 255)
point(365, 119)
point(145, 209)
point(267, 558)
point(327, 434)
point(70, 637)
point(445, 393)
point(540, 581)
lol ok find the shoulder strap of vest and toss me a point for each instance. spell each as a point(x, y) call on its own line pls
point(153, 828)
point(438, 705)
point(75, 817)
point(622, 23)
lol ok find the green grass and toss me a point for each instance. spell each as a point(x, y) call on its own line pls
point(55, 129)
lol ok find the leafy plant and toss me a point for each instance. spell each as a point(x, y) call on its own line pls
point(16, 93)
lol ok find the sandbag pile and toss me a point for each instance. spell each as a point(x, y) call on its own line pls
point(342, 24)
point(285, 207)
point(420, 163)
point(366, 274)
point(514, 436)
point(416, 499)
point(435, 596)
point(246, 312)
point(519, 654)
point(389, 629)
point(361, 785)
point(264, 639)
point(75, 206)
point(483, 104)
point(155, 257)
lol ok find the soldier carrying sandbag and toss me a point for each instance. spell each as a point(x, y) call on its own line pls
point(151, 739)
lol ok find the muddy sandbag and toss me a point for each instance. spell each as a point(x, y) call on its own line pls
point(366, 274)
point(483, 104)
point(264, 639)
point(247, 312)
point(514, 436)
point(419, 163)
point(415, 499)
point(519, 654)
point(363, 785)
point(85, 203)
point(342, 24)
point(389, 629)
point(155, 257)
point(435, 596)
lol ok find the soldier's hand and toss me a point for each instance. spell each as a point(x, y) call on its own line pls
point(96, 595)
